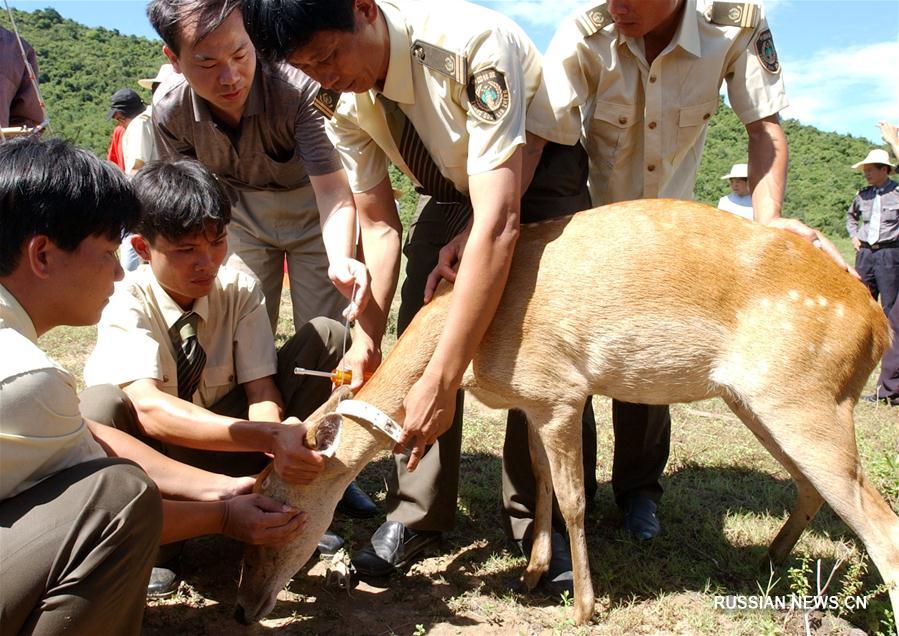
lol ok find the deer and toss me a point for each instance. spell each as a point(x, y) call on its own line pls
point(755, 316)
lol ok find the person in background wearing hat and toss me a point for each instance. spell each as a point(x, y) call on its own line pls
point(125, 106)
point(19, 102)
point(877, 256)
point(739, 199)
point(138, 148)
point(138, 144)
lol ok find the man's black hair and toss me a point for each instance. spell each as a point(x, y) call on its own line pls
point(63, 192)
point(169, 16)
point(280, 27)
point(180, 199)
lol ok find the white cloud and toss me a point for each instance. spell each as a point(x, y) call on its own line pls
point(543, 13)
point(846, 90)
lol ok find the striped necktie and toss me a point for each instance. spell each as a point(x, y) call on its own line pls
point(874, 224)
point(189, 354)
point(457, 206)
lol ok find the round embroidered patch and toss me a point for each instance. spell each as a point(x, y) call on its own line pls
point(488, 95)
point(767, 54)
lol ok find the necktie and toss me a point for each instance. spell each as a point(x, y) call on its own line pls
point(188, 354)
point(874, 224)
point(457, 206)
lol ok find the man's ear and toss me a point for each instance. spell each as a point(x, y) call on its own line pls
point(141, 246)
point(169, 53)
point(368, 9)
point(37, 255)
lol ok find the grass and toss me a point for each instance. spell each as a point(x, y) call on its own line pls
point(725, 498)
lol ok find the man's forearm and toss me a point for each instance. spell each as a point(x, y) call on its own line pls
point(176, 421)
point(188, 519)
point(768, 158)
point(381, 234)
point(174, 479)
point(483, 270)
point(337, 214)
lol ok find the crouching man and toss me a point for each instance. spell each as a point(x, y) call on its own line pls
point(185, 357)
point(80, 519)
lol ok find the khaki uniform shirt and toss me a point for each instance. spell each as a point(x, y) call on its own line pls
point(19, 104)
point(281, 139)
point(644, 125)
point(133, 342)
point(41, 428)
point(460, 138)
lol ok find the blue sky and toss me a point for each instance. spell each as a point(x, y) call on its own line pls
point(840, 57)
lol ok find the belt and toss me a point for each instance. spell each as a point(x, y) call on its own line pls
point(881, 245)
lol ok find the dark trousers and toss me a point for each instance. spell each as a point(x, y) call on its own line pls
point(642, 442)
point(888, 382)
point(426, 499)
point(879, 270)
point(76, 551)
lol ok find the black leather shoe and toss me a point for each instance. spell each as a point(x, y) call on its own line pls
point(329, 543)
point(558, 580)
point(392, 546)
point(355, 503)
point(882, 400)
point(640, 518)
point(163, 583)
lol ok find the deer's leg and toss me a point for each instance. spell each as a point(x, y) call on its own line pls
point(808, 500)
point(561, 440)
point(541, 546)
point(819, 440)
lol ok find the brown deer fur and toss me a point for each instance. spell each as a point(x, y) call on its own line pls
point(653, 302)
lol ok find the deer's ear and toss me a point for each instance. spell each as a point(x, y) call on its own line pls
point(323, 435)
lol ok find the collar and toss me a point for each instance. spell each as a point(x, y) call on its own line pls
point(686, 36)
point(888, 185)
point(254, 106)
point(172, 311)
point(13, 316)
point(372, 415)
point(398, 85)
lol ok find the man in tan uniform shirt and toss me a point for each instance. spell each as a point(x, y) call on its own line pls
point(441, 92)
point(637, 83)
point(254, 125)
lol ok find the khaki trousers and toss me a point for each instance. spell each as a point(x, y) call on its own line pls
point(267, 226)
point(317, 345)
point(76, 551)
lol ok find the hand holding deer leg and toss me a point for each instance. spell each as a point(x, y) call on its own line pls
point(429, 406)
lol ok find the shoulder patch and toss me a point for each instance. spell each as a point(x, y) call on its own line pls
point(767, 54)
point(738, 14)
point(488, 95)
point(326, 102)
point(593, 20)
point(440, 60)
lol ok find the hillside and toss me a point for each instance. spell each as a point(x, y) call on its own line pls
point(81, 67)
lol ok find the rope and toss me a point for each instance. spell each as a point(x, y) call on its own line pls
point(45, 123)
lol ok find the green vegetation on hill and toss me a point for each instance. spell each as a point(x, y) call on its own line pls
point(81, 67)
point(79, 70)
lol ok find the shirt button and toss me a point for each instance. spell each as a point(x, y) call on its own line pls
point(652, 79)
point(165, 378)
point(707, 115)
point(230, 378)
point(622, 120)
point(652, 125)
point(651, 167)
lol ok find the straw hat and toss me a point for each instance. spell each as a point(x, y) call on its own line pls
point(164, 71)
point(738, 171)
point(875, 156)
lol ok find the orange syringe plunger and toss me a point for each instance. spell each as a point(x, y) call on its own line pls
point(340, 377)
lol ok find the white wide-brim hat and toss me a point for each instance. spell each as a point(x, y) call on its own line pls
point(738, 171)
point(877, 155)
point(164, 71)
